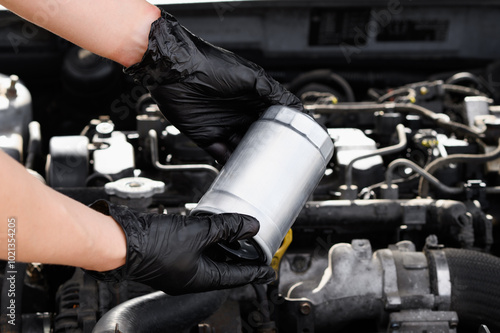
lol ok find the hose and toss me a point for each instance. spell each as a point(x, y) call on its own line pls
point(379, 152)
point(466, 76)
point(463, 76)
point(323, 76)
point(475, 288)
point(158, 312)
point(260, 292)
point(423, 187)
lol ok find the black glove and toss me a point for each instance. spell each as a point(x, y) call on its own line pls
point(166, 252)
point(208, 93)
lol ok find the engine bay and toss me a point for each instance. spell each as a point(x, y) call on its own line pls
point(400, 235)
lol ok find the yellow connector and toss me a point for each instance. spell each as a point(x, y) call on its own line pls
point(275, 263)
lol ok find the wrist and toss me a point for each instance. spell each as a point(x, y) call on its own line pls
point(136, 42)
point(110, 245)
point(116, 247)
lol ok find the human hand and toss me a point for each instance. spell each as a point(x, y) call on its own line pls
point(208, 93)
point(167, 252)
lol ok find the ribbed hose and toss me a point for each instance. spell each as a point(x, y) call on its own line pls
point(159, 313)
point(475, 288)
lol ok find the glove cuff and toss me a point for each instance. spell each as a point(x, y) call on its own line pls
point(125, 218)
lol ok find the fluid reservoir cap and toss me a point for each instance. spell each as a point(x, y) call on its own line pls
point(104, 129)
point(134, 188)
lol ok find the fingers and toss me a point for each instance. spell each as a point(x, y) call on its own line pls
point(274, 93)
point(219, 151)
point(231, 227)
point(224, 275)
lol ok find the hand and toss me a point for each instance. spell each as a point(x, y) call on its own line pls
point(208, 93)
point(167, 252)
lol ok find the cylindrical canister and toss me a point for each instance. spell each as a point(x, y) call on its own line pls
point(270, 176)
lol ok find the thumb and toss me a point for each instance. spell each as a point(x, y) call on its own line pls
point(273, 93)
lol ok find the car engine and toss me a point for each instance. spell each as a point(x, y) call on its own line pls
point(400, 235)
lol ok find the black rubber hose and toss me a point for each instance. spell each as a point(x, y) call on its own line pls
point(260, 292)
point(463, 76)
point(466, 76)
point(475, 288)
point(159, 312)
point(323, 76)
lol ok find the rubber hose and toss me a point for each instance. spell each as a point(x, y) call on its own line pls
point(322, 76)
point(159, 312)
point(475, 288)
point(465, 76)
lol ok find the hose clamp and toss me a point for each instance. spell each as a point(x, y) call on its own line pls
point(442, 281)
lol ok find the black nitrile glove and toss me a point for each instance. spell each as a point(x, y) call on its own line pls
point(208, 93)
point(166, 252)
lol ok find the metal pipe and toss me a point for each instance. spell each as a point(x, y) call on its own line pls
point(382, 151)
point(426, 175)
point(181, 167)
point(439, 119)
point(423, 187)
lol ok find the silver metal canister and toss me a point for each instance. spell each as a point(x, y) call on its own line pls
point(270, 176)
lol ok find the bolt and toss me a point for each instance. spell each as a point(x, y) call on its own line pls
point(11, 91)
point(305, 308)
point(423, 90)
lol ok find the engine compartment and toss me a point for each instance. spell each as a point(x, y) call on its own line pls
point(401, 233)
